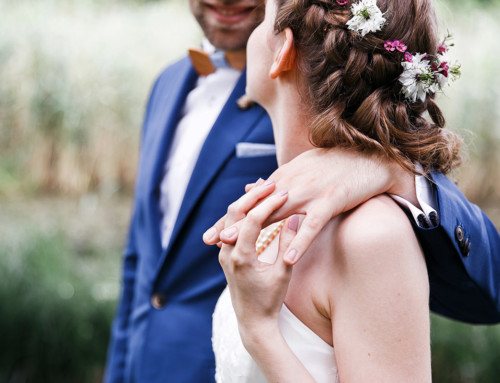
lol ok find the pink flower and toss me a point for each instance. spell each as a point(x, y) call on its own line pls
point(445, 67)
point(390, 45)
point(443, 48)
point(401, 46)
point(396, 44)
point(342, 2)
point(408, 57)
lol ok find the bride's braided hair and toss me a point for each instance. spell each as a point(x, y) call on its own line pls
point(352, 81)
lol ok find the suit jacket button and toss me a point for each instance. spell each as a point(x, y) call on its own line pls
point(466, 248)
point(459, 235)
point(158, 301)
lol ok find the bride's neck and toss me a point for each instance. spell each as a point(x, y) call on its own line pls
point(290, 126)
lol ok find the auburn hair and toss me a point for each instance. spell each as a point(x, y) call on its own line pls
point(351, 82)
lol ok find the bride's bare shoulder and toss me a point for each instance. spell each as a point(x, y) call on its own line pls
point(379, 221)
point(371, 249)
point(375, 255)
point(376, 235)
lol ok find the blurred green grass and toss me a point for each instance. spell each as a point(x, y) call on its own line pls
point(54, 327)
point(59, 278)
point(74, 79)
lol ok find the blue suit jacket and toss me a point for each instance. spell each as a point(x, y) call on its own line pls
point(173, 343)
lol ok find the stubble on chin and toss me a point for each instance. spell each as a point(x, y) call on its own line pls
point(228, 37)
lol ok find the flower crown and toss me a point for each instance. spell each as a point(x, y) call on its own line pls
point(422, 73)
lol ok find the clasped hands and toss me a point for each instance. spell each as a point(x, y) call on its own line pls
point(257, 289)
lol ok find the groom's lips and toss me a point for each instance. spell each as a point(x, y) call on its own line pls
point(229, 14)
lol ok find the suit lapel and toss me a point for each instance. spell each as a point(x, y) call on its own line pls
point(231, 126)
point(168, 106)
point(161, 118)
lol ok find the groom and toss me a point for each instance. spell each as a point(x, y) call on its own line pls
point(199, 149)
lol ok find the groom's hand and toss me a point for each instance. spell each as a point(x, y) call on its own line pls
point(321, 184)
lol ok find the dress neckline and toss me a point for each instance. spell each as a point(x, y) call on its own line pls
point(292, 318)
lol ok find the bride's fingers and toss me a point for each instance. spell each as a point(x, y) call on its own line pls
point(239, 208)
point(249, 187)
point(252, 224)
point(287, 235)
point(211, 236)
point(244, 252)
point(313, 223)
point(230, 235)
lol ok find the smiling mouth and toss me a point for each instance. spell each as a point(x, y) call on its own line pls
point(229, 14)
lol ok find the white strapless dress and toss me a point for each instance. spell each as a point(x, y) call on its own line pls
point(235, 365)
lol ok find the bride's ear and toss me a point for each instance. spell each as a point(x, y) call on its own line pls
point(285, 59)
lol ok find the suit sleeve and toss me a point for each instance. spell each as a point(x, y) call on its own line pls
point(117, 349)
point(463, 258)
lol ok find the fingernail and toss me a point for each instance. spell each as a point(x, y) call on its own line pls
point(293, 222)
point(230, 232)
point(291, 256)
point(209, 234)
point(259, 181)
point(283, 193)
point(269, 182)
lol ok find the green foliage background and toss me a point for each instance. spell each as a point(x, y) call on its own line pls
point(74, 79)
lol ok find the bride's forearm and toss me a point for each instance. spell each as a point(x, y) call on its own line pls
point(272, 354)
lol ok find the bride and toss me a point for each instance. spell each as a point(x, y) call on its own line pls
point(355, 308)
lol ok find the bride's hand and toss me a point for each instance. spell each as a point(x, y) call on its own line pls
point(257, 289)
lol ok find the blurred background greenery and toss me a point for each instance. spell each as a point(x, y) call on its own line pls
point(74, 79)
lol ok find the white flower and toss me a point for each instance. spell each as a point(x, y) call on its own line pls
point(367, 17)
point(442, 58)
point(417, 78)
point(441, 80)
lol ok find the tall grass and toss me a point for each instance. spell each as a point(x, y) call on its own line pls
point(76, 74)
point(75, 78)
point(472, 104)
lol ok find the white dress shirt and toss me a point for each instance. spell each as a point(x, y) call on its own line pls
point(202, 107)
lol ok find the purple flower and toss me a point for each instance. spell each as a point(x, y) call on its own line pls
point(408, 57)
point(390, 45)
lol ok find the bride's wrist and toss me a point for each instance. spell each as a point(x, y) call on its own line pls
point(403, 185)
point(257, 334)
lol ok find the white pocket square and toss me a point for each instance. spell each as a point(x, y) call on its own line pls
point(253, 149)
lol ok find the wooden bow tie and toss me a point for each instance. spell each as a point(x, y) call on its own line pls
point(205, 64)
